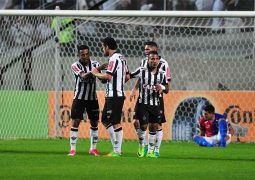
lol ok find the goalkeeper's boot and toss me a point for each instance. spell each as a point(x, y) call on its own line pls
point(151, 155)
point(223, 128)
point(93, 152)
point(156, 154)
point(140, 152)
point(113, 154)
point(72, 153)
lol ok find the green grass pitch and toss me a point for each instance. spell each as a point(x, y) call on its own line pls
point(47, 159)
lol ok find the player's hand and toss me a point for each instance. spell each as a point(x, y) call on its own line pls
point(104, 81)
point(102, 66)
point(132, 95)
point(158, 88)
point(94, 71)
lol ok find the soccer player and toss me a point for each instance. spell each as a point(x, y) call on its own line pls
point(116, 75)
point(163, 65)
point(214, 129)
point(152, 81)
point(85, 99)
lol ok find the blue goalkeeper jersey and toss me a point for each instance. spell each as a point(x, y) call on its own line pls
point(217, 118)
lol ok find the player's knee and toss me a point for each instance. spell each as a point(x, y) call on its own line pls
point(94, 123)
point(153, 127)
point(136, 124)
point(76, 123)
point(144, 127)
point(115, 123)
point(105, 122)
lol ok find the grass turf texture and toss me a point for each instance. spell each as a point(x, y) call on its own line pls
point(47, 159)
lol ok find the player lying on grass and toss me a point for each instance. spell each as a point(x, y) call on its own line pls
point(214, 129)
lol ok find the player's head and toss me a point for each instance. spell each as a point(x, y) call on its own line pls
point(109, 44)
point(83, 51)
point(150, 46)
point(209, 111)
point(153, 59)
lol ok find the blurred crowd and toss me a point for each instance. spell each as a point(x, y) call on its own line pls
point(201, 5)
point(20, 29)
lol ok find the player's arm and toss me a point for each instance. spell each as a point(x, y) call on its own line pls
point(102, 67)
point(88, 74)
point(168, 77)
point(202, 126)
point(202, 129)
point(79, 72)
point(134, 89)
point(135, 74)
point(127, 76)
point(167, 87)
point(85, 75)
point(111, 69)
point(163, 87)
point(100, 75)
point(202, 132)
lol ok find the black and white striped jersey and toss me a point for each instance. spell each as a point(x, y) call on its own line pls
point(117, 68)
point(148, 80)
point(84, 88)
point(163, 66)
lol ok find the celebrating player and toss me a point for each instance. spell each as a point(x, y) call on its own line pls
point(163, 65)
point(152, 81)
point(85, 98)
point(214, 129)
point(116, 75)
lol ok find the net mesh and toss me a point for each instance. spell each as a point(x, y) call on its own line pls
point(205, 55)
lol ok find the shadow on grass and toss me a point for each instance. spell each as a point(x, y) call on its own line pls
point(125, 155)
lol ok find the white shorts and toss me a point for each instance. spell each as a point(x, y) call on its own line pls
point(216, 139)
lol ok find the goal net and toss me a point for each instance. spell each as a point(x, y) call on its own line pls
point(211, 60)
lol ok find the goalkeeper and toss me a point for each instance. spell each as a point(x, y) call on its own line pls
point(214, 129)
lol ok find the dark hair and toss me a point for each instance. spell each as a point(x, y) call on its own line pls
point(152, 52)
point(209, 108)
point(81, 47)
point(151, 43)
point(110, 42)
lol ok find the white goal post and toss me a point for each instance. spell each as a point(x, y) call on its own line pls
point(211, 55)
point(127, 13)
